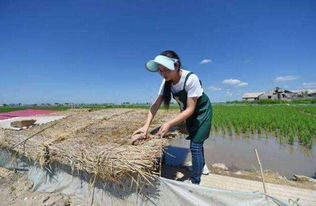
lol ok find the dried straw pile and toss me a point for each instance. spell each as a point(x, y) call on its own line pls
point(97, 142)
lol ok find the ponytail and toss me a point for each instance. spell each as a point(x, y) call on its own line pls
point(167, 94)
point(167, 86)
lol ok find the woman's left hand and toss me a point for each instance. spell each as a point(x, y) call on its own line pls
point(164, 129)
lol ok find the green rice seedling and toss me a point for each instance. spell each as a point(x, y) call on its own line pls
point(290, 124)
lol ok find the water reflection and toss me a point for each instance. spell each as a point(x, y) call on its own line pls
point(236, 151)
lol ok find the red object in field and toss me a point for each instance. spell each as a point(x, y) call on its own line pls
point(25, 113)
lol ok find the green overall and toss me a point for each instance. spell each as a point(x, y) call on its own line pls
point(199, 123)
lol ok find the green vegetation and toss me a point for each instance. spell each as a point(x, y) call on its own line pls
point(290, 123)
point(10, 109)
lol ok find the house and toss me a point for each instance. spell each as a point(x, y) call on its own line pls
point(311, 93)
point(280, 94)
point(252, 96)
point(305, 93)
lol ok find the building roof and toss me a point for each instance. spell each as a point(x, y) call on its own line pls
point(252, 94)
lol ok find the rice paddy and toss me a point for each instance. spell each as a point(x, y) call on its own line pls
point(288, 123)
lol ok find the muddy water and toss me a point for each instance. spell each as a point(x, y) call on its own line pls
point(238, 153)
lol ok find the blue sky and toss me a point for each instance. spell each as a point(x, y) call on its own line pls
point(94, 51)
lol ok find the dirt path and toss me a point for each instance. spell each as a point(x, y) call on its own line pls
point(282, 192)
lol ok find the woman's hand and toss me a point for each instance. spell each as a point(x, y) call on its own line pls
point(164, 129)
point(143, 131)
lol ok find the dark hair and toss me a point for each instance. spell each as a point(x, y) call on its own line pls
point(167, 87)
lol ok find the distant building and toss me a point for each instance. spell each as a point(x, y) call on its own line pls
point(280, 94)
point(252, 96)
point(305, 93)
point(311, 93)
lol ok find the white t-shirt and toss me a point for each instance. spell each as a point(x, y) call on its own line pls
point(193, 86)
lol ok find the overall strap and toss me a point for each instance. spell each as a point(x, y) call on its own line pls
point(186, 78)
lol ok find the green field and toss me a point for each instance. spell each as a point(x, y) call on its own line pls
point(290, 123)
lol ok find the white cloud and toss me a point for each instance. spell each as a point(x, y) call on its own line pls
point(309, 84)
point(205, 61)
point(242, 84)
point(286, 78)
point(235, 82)
point(231, 81)
point(215, 88)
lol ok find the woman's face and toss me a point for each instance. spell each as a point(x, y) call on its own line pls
point(167, 74)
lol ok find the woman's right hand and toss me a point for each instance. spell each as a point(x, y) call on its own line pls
point(143, 130)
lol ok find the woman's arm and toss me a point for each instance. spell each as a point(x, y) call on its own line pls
point(151, 114)
point(191, 103)
point(153, 110)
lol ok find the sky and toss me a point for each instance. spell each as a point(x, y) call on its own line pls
point(94, 51)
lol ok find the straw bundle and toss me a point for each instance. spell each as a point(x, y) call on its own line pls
point(97, 142)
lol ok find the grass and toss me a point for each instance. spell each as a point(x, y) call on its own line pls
point(290, 123)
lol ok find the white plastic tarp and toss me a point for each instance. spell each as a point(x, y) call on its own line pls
point(6, 123)
point(57, 178)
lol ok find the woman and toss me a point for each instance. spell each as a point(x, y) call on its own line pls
point(194, 104)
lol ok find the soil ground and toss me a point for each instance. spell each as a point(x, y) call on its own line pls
point(15, 191)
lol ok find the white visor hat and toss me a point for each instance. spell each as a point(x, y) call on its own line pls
point(152, 65)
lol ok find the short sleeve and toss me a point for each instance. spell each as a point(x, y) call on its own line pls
point(160, 93)
point(193, 86)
